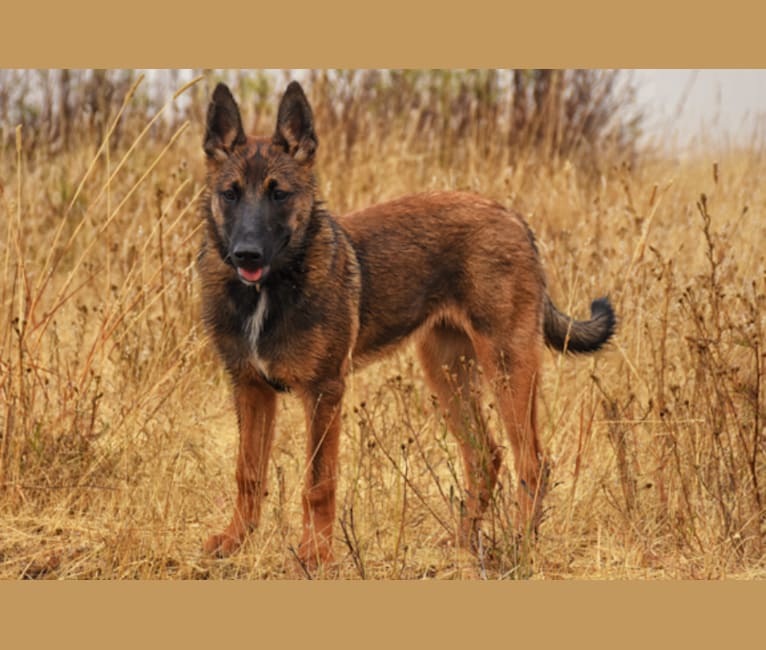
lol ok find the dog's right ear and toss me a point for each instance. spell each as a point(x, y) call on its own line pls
point(224, 125)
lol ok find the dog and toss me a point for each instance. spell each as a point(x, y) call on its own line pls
point(295, 298)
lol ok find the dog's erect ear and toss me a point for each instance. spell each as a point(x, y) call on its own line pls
point(224, 125)
point(295, 125)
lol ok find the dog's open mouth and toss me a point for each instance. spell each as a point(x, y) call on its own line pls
point(251, 276)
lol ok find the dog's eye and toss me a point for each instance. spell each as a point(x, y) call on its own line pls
point(229, 195)
point(279, 195)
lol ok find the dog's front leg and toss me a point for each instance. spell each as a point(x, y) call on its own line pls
point(256, 410)
point(322, 404)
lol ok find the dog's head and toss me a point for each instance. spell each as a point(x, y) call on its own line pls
point(260, 190)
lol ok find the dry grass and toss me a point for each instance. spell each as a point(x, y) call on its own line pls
point(118, 437)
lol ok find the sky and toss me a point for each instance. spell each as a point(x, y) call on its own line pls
point(727, 106)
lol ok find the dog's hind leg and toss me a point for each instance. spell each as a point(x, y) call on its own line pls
point(256, 411)
point(513, 371)
point(449, 362)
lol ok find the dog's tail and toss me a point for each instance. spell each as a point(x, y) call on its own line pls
point(563, 333)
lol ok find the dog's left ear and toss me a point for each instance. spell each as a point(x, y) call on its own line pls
point(295, 125)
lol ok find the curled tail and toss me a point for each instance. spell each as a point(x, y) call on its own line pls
point(563, 333)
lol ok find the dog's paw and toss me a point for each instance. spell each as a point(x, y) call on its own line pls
point(222, 545)
point(311, 555)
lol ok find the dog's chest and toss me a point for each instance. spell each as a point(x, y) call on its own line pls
point(254, 329)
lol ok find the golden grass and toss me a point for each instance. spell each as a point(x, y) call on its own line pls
point(118, 436)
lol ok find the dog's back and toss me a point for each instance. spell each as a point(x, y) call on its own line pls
point(453, 256)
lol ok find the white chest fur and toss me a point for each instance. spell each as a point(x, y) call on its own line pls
point(254, 328)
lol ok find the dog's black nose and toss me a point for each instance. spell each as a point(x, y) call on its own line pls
point(247, 256)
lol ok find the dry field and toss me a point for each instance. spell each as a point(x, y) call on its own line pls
point(118, 439)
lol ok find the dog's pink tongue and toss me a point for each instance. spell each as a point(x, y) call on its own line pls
point(251, 276)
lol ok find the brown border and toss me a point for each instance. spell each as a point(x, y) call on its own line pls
point(408, 614)
point(397, 33)
point(353, 34)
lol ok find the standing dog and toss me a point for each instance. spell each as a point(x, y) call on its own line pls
point(294, 298)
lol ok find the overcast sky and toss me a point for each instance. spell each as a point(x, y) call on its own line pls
point(724, 105)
